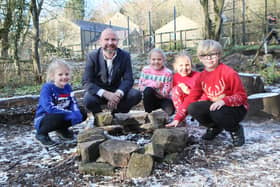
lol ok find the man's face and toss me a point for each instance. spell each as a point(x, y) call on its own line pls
point(109, 41)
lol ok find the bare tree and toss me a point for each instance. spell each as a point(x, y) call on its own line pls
point(213, 25)
point(35, 9)
point(161, 13)
point(207, 20)
point(18, 29)
point(218, 10)
point(7, 7)
point(103, 11)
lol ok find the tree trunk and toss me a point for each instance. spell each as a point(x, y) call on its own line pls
point(4, 32)
point(218, 10)
point(4, 36)
point(244, 38)
point(207, 20)
point(233, 23)
point(35, 11)
point(19, 25)
point(209, 32)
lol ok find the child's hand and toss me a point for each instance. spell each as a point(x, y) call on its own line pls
point(217, 105)
point(174, 123)
point(158, 84)
point(184, 88)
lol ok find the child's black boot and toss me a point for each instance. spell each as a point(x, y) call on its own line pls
point(44, 139)
point(211, 133)
point(238, 136)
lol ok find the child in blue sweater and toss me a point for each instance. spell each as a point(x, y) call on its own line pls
point(57, 109)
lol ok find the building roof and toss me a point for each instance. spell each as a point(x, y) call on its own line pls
point(182, 23)
point(120, 20)
point(96, 27)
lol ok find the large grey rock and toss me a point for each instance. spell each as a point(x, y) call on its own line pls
point(148, 127)
point(94, 168)
point(158, 118)
point(155, 150)
point(90, 135)
point(135, 118)
point(172, 139)
point(90, 150)
point(139, 165)
point(117, 152)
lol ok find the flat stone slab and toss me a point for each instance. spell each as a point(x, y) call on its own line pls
point(96, 168)
point(139, 166)
point(117, 152)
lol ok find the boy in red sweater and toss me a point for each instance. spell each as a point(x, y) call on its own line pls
point(226, 103)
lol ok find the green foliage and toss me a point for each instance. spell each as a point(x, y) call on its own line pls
point(9, 91)
point(270, 73)
point(239, 48)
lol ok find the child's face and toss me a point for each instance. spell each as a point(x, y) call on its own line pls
point(210, 60)
point(156, 61)
point(61, 77)
point(183, 66)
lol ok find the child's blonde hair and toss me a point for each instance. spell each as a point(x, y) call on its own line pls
point(53, 66)
point(208, 46)
point(157, 50)
point(181, 55)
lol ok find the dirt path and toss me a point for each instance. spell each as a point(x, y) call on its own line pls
point(216, 163)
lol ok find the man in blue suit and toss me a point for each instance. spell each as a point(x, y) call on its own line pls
point(108, 77)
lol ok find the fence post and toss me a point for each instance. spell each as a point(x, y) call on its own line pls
point(128, 39)
point(143, 38)
point(181, 39)
point(160, 40)
point(150, 30)
point(175, 28)
point(243, 22)
point(233, 23)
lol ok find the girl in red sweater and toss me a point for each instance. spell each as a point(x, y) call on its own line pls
point(226, 103)
point(183, 79)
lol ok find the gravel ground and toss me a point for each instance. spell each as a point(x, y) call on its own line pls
point(24, 162)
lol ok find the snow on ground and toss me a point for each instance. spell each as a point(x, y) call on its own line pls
point(24, 162)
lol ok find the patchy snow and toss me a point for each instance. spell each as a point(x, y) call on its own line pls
point(249, 75)
point(274, 88)
point(25, 162)
point(19, 97)
point(262, 95)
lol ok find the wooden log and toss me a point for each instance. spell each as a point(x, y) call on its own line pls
point(266, 102)
point(253, 83)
